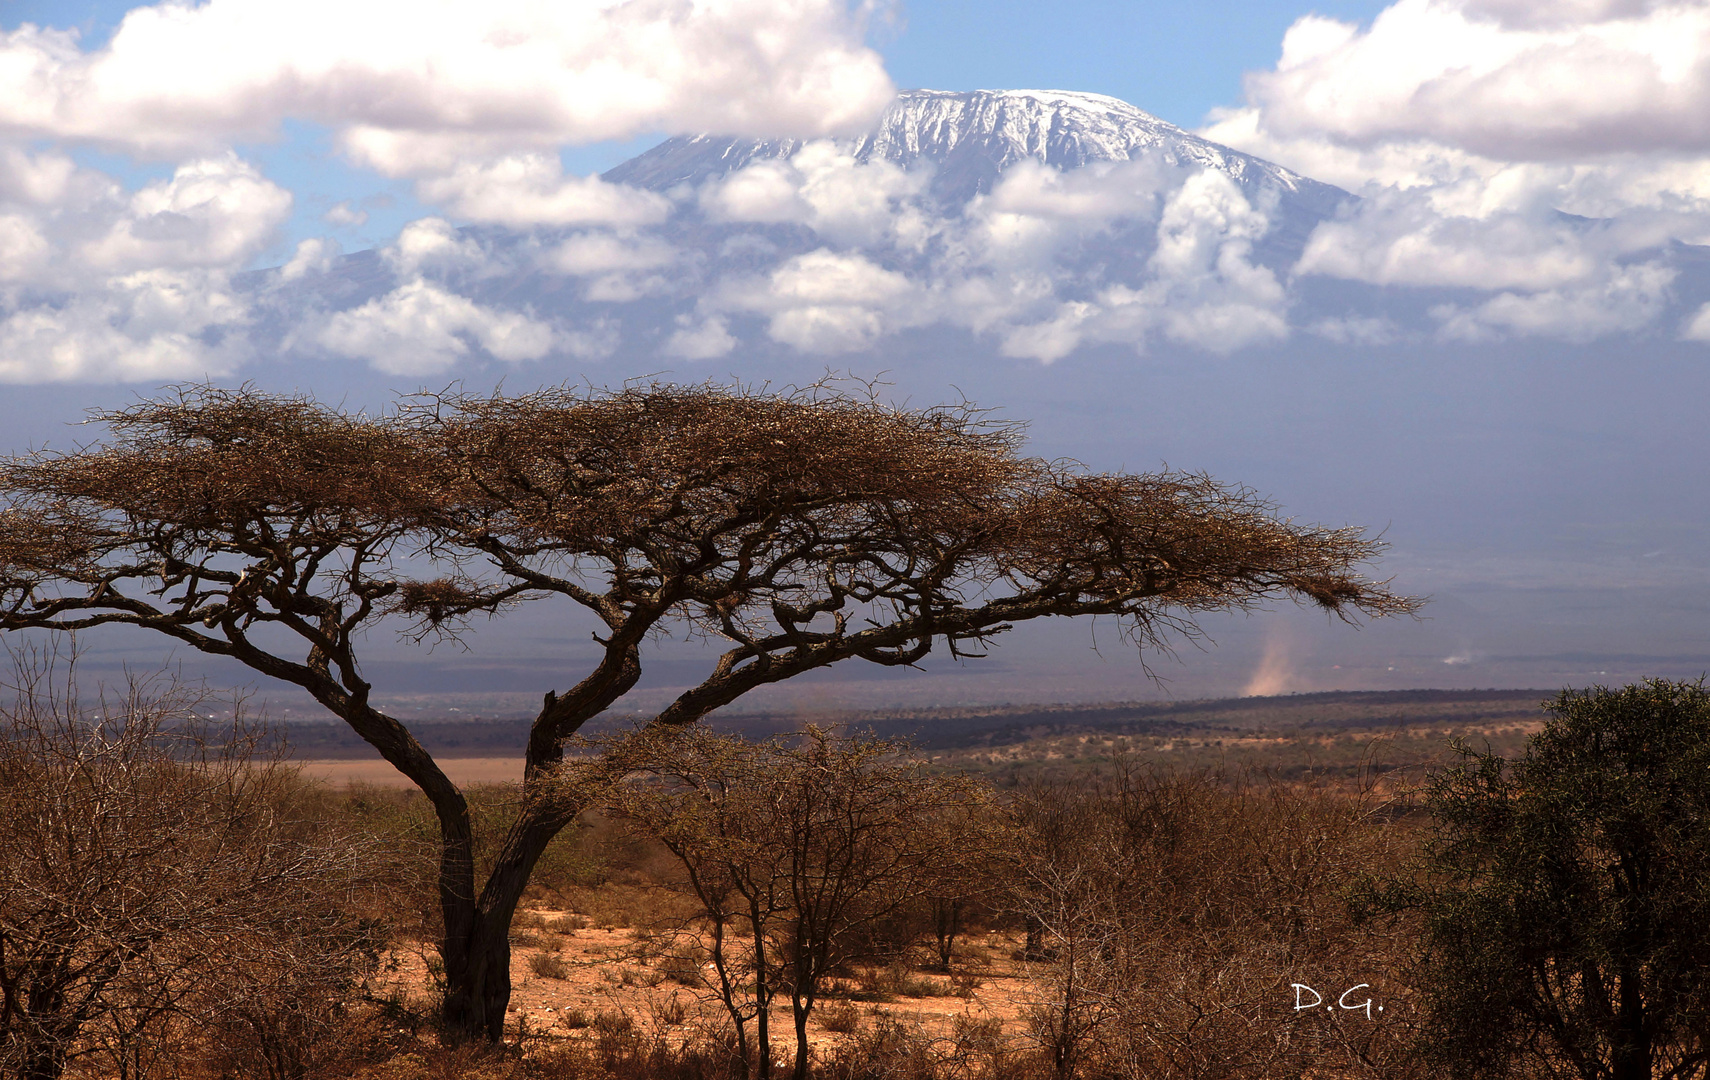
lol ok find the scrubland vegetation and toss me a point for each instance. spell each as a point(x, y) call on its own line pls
point(177, 901)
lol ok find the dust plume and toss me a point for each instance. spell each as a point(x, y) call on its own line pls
point(1275, 674)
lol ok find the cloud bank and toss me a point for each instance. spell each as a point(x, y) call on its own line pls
point(1505, 79)
point(419, 85)
point(471, 101)
point(1548, 154)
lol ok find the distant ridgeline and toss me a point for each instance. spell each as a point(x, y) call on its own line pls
point(1008, 725)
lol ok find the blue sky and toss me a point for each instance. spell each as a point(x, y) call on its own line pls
point(1175, 60)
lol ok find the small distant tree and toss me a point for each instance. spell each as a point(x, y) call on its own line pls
point(800, 530)
point(1568, 895)
point(959, 900)
point(800, 849)
point(150, 877)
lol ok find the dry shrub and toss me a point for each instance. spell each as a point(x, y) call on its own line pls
point(842, 1017)
point(549, 966)
point(1169, 914)
point(611, 1045)
point(166, 895)
point(667, 1012)
point(467, 1061)
point(896, 980)
point(795, 852)
point(401, 823)
point(618, 906)
point(623, 1056)
point(629, 976)
point(888, 1050)
point(684, 965)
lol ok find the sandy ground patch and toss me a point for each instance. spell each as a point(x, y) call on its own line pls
point(472, 770)
point(609, 970)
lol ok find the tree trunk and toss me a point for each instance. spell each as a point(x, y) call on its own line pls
point(478, 956)
point(729, 992)
point(43, 1063)
point(801, 1011)
point(1630, 1056)
point(763, 1041)
point(47, 1034)
point(762, 994)
point(809, 961)
point(476, 948)
point(477, 983)
point(947, 926)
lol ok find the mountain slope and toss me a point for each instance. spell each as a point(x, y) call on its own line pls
point(970, 138)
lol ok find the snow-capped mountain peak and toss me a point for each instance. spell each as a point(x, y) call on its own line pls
point(971, 137)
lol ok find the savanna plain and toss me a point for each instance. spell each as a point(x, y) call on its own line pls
point(1126, 890)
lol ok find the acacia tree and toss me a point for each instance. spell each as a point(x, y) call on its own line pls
point(802, 529)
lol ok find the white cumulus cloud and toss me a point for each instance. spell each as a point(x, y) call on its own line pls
point(152, 324)
point(1402, 241)
point(1592, 79)
point(827, 301)
point(424, 83)
point(1034, 211)
point(344, 215)
point(706, 340)
point(1201, 286)
point(1627, 299)
point(824, 187)
point(313, 256)
point(602, 253)
point(23, 248)
point(421, 329)
point(531, 189)
point(1542, 153)
point(104, 283)
point(212, 212)
point(622, 266)
point(433, 243)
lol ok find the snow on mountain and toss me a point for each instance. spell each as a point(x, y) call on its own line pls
point(971, 138)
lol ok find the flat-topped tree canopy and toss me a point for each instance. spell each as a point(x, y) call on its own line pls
point(801, 529)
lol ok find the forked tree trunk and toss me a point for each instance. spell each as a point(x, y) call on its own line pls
point(802, 1053)
point(476, 949)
